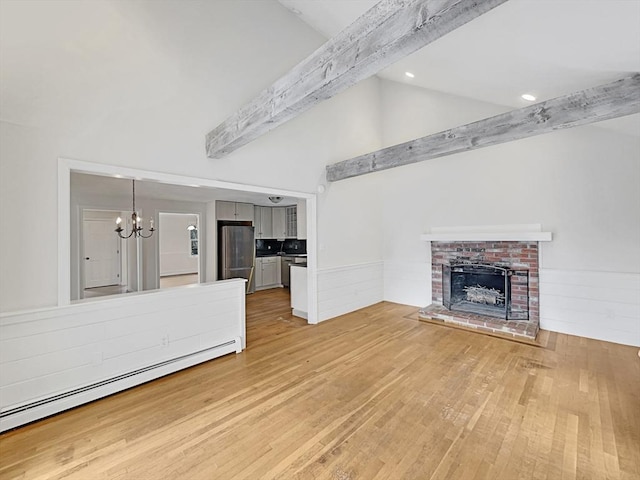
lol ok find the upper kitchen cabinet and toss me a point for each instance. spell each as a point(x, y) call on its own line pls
point(244, 211)
point(285, 222)
point(263, 222)
point(302, 219)
point(234, 211)
point(279, 222)
point(291, 218)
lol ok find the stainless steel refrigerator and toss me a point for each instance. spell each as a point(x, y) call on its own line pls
point(238, 254)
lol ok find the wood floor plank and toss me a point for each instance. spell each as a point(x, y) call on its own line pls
point(374, 394)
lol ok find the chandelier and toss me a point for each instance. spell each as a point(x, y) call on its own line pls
point(136, 221)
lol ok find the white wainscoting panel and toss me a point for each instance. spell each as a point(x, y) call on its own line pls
point(56, 358)
point(408, 283)
point(346, 289)
point(600, 305)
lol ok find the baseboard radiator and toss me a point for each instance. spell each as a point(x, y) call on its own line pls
point(22, 414)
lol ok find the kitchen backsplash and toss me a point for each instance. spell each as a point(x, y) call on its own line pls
point(265, 247)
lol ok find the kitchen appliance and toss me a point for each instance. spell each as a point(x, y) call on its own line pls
point(285, 271)
point(286, 263)
point(237, 254)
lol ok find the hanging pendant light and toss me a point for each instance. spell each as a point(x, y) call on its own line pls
point(136, 221)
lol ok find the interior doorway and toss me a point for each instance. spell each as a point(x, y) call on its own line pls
point(90, 182)
point(179, 249)
point(102, 255)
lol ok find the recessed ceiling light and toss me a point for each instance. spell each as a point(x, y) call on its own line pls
point(528, 97)
point(409, 74)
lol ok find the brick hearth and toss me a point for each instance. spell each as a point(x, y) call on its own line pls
point(521, 255)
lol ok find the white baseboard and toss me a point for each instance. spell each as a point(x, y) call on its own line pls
point(45, 407)
point(55, 358)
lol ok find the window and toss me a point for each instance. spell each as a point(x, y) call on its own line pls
point(193, 239)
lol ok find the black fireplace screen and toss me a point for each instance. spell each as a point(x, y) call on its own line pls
point(488, 290)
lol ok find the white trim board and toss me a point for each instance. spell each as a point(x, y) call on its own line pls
point(488, 233)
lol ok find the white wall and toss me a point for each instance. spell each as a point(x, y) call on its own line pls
point(581, 184)
point(139, 84)
point(175, 245)
point(28, 172)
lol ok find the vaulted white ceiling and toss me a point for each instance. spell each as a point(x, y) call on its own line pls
point(544, 47)
point(547, 47)
point(76, 69)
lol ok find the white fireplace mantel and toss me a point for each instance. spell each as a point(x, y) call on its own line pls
point(488, 233)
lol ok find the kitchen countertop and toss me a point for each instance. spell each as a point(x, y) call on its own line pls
point(278, 254)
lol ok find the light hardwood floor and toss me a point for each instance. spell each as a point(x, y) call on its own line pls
point(372, 395)
point(178, 280)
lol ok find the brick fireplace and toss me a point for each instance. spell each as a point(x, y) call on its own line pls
point(491, 285)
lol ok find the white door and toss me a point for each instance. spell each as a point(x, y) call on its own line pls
point(101, 254)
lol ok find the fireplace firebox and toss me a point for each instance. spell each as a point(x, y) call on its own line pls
point(485, 289)
point(487, 285)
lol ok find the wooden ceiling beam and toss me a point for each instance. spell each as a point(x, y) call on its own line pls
point(603, 102)
point(389, 31)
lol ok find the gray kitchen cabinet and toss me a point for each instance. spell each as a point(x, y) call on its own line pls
point(270, 271)
point(301, 214)
point(285, 223)
point(279, 222)
point(267, 272)
point(244, 211)
point(291, 220)
point(263, 222)
point(257, 273)
point(225, 210)
point(234, 211)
